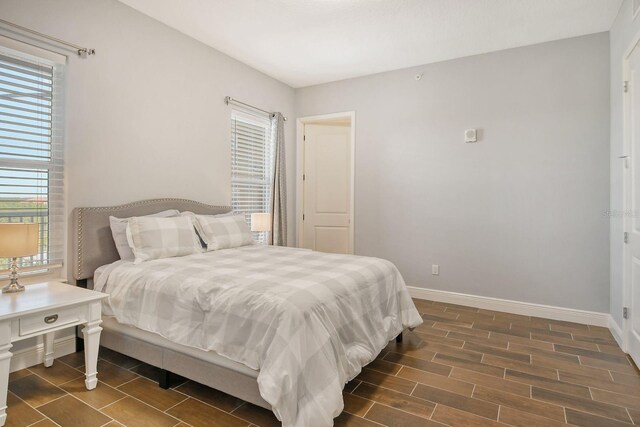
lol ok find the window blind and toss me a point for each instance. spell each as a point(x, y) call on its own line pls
point(251, 165)
point(31, 152)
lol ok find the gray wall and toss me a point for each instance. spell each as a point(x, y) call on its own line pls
point(621, 36)
point(145, 116)
point(520, 215)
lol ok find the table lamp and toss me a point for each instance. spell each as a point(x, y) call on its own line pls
point(260, 222)
point(17, 240)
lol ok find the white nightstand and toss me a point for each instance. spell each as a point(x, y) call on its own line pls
point(43, 309)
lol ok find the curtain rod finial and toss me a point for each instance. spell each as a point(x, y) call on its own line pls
point(84, 52)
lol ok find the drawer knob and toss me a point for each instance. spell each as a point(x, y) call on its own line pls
point(51, 319)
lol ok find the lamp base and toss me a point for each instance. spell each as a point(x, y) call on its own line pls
point(12, 288)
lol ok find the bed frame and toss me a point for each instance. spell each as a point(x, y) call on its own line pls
point(93, 246)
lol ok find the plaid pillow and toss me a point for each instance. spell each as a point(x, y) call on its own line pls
point(196, 224)
point(154, 238)
point(119, 233)
point(223, 232)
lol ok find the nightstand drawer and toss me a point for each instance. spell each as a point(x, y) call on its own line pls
point(42, 322)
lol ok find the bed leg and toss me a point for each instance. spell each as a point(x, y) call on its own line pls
point(399, 337)
point(163, 380)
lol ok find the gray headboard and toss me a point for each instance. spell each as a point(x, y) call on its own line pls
point(92, 243)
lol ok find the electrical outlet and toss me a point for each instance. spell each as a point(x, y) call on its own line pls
point(435, 269)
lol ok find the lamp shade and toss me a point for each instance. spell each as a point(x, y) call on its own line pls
point(18, 239)
point(260, 222)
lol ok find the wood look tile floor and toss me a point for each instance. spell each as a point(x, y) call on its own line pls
point(463, 367)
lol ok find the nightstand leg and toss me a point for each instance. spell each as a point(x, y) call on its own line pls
point(91, 334)
point(5, 362)
point(48, 349)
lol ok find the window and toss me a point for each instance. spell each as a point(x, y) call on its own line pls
point(251, 165)
point(31, 151)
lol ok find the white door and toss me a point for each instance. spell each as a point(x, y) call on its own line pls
point(327, 189)
point(632, 204)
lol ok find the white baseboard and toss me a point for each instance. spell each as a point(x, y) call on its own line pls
point(515, 307)
point(616, 331)
point(35, 355)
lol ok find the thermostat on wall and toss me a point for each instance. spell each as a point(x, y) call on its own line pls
point(470, 135)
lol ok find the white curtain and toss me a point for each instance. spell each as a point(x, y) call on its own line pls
point(279, 187)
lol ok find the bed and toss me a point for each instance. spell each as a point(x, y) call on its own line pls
point(259, 375)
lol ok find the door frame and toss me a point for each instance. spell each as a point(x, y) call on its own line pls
point(300, 123)
point(626, 193)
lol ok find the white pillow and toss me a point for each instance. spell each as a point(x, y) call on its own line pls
point(155, 238)
point(222, 232)
point(119, 232)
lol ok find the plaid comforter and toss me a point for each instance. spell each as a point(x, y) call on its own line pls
point(308, 321)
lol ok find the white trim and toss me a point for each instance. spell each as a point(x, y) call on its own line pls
point(300, 122)
point(626, 177)
point(515, 307)
point(616, 331)
point(32, 356)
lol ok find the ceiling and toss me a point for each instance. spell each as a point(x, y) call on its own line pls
point(308, 42)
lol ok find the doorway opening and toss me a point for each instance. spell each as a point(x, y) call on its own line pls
point(326, 182)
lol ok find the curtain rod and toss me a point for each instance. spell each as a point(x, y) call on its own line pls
point(81, 50)
point(228, 99)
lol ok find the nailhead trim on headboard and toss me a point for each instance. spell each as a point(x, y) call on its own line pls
point(79, 262)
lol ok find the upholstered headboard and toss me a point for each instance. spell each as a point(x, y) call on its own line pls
point(92, 242)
